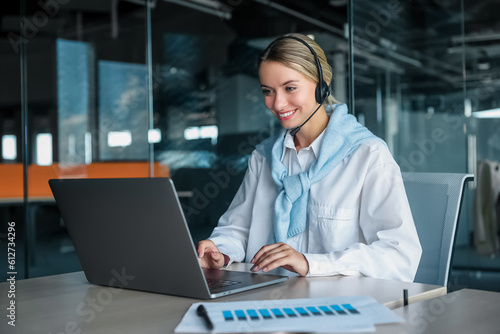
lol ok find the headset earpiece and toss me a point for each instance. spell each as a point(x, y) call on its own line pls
point(322, 92)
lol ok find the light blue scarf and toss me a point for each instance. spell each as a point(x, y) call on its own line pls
point(342, 136)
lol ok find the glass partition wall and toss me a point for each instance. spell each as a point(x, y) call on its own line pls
point(409, 86)
point(82, 112)
point(151, 88)
point(424, 79)
point(12, 210)
point(477, 261)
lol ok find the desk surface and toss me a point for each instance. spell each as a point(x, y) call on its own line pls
point(20, 200)
point(462, 311)
point(66, 303)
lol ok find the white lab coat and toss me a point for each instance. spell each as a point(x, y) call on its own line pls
point(358, 221)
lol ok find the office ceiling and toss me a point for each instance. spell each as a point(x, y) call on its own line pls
point(423, 35)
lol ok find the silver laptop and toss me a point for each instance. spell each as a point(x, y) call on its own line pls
point(131, 233)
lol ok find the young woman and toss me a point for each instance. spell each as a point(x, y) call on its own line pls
point(324, 196)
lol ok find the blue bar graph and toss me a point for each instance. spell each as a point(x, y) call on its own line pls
point(228, 315)
point(302, 311)
point(253, 314)
point(289, 312)
point(351, 309)
point(313, 310)
point(277, 313)
point(240, 315)
point(265, 313)
point(304, 315)
point(326, 310)
point(338, 309)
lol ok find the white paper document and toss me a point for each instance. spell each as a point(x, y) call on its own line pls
point(338, 314)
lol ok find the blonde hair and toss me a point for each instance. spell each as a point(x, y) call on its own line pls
point(297, 56)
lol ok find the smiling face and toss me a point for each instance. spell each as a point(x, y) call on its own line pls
point(288, 94)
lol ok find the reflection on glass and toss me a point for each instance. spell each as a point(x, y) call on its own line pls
point(44, 149)
point(74, 73)
point(192, 133)
point(407, 84)
point(88, 148)
point(119, 138)
point(123, 111)
point(154, 136)
point(209, 131)
point(492, 113)
point(9, 147)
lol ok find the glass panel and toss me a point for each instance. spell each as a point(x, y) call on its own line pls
point(12, 222)
point(409, 87)
point(74, 65)
point(408, 84)
point(477, 262)
point(88, 115)
point(123, 111)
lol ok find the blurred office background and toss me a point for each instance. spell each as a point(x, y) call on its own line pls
point(138, 88)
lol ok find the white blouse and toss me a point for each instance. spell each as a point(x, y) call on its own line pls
point(358, 221)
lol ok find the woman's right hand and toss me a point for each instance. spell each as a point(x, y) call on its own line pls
point(210, 256)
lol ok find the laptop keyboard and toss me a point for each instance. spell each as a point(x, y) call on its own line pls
point(216, 283)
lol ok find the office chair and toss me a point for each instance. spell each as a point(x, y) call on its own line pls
point(435, 200)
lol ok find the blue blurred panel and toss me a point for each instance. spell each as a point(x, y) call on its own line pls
point(123, 93)
point(73, 98)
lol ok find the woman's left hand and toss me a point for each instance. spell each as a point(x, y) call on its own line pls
point(280, 255)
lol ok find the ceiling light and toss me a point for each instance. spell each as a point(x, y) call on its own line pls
point(211, 7)
point(491, 113)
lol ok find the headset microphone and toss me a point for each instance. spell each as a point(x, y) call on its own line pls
point(322, 90)
point(294, 131)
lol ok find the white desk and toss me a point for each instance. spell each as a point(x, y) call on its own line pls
point(463, 311)
point(68, 303)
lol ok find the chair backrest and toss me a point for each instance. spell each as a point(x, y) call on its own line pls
point(435, 200)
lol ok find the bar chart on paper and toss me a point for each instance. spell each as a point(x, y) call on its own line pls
point(340, 314)
point(288, 312)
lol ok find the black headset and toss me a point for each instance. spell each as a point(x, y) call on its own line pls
point(322, 89)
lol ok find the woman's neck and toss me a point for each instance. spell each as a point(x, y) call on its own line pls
point(311, 130)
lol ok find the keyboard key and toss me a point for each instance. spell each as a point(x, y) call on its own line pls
point(216, 284)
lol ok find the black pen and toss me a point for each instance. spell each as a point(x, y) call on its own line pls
point(202, 312)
